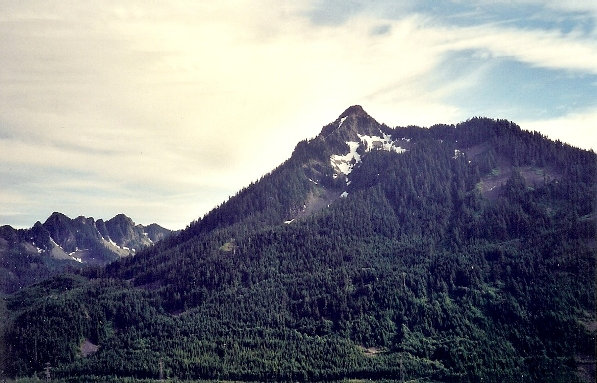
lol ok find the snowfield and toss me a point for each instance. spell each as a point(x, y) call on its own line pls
point(343, 164)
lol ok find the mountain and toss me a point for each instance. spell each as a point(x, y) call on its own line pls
point(29, 255)
point(455, 253)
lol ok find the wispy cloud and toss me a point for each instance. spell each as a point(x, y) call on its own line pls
point(578, 128)
point(163, 110)
point(539, 48)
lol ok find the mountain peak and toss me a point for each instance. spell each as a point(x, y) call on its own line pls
point(56, 217)
point(122, 218)
point(352, 122)
point(356, 111)
point(57, 214)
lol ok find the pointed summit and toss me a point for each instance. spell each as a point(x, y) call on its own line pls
point(356, 111)
point(352, 122)
point(57, 217)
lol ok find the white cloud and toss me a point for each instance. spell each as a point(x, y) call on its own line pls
point(168, 108)
point(588, 7)
point(546, 49)
point(578, 129)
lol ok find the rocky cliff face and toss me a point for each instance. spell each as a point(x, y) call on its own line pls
point(28, 255)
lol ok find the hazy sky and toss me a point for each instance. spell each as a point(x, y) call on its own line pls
point(162, 109)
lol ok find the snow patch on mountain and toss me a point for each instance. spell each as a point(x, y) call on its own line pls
point(380, 143)
point(112, 242)
point(54, 244)
point(345, 163)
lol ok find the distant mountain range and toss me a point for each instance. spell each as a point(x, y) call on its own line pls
point(454, 253)
point(28, 255)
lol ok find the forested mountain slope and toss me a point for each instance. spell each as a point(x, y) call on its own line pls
point(453, 253)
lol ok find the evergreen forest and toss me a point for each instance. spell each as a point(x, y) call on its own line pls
point(468, 257)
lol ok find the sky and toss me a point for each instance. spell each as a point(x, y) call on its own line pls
point(163, 110)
